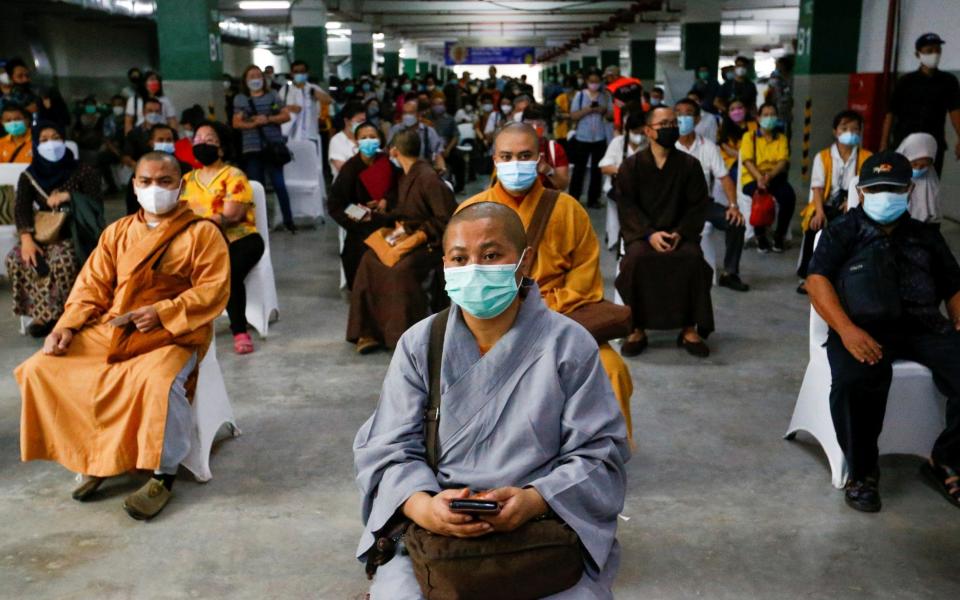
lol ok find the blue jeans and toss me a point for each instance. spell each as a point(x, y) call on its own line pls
point(256, 168)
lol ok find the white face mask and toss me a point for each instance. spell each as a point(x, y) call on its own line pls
point(52, 150)
point(740, 71)
point(255, 85)
point(930, 60)
point(636, 139)
point(157, 200)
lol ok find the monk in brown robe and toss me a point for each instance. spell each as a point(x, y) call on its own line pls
point(386, 301)
point(109, 392)
point(662, 201)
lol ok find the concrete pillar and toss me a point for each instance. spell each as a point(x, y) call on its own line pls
point(191, 56)
point(563, 68)
point(700, 36)
point(361, 49)
point(609, 52)
point(591, 57)
point(308, 18)
point(391, 58)
point(411, 53)
point(643, 52)
point(573, 62)
point(828, 39)
point(423, 67)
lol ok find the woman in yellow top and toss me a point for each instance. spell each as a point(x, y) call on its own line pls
point(736, 122)
point(222, 193)
point(765, 157)
point(561, 126)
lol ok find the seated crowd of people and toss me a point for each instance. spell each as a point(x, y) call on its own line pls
point(506, 408)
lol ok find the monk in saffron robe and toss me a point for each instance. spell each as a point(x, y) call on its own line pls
point(567, 268)
point(526, 415)
point(109, 391)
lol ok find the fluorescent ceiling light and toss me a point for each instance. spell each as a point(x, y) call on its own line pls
point(333, 25)
point(264, 5)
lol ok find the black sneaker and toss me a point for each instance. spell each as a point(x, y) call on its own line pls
point(763, 245)
point(863, 495)
point(778, 246)
point(733, 282)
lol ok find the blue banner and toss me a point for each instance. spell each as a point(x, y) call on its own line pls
point(458, 54)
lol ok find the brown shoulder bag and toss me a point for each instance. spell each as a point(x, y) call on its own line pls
point(604, 320)
point(538, 559)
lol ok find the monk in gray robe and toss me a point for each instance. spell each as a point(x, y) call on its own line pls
point(527, 417)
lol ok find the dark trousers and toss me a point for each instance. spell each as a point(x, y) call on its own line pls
point(583, 153)
point(257, 169)
point(858, 395)
point(733, 237)
point(806, 249)
point(106, 160)
point(245, 253)
point(458, 168)
point(786, 201)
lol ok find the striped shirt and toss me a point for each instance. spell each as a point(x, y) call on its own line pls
point(267, 104)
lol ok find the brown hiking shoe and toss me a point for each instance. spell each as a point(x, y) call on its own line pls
point(88, 485)
point(148, 501)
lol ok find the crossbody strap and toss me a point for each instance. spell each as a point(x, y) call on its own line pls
point(16, 152)
point(259, 128)
point(431, 418)
point(36, 185)
point(541, 216)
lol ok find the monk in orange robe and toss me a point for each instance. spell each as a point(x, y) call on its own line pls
point(567, 269)
point(109, 391)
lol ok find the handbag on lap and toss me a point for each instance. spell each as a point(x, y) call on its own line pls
point(538, 559)
point(47, 224)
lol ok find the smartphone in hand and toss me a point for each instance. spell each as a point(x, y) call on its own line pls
point(43, 267)
point(475, 507)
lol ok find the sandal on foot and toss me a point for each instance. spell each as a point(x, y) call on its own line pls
point(87, 488)
point(945, 479)
point(366, 345)
point(242, 344)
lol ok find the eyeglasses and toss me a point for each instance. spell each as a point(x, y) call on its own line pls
point(663, 124)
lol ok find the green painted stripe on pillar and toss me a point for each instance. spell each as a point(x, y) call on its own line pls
point(563, 68)
point(643, 59)
point(310, 45)
point(700, 45)
point(410, 67)
point(422, 68)
point(391, 64)
point(188, 38)
point(361, 58)
point(828, 36)
point(590, 62)
point(609, 58)
point(574, 66)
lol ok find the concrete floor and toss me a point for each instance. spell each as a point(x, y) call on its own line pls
point(719, 505)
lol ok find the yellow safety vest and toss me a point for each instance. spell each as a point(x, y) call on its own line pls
point(827, 158)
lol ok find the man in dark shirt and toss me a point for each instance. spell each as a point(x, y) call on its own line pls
point(740, 87)
point(923, 99)
point(446, 127)
point(706, 87)
point(874, 244)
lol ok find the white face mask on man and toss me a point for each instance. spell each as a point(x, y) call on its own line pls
point(157, 200)
point(931, 60)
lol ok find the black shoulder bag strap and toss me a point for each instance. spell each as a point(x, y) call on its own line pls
point(16, 152)
point(259, 128)
point(431, 417)
point(541, 216)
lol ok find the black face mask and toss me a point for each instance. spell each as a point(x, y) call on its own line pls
point(207, 154)
point(668, 136)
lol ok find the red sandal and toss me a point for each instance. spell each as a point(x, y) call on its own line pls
point(242, 344)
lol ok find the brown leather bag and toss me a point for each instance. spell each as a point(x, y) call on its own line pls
point(47, 224)
point(151, 286)
point(604, 320)
point(540, 558)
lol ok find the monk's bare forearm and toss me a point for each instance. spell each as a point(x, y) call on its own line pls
point(953, 309)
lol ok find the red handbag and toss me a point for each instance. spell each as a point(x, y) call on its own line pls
point(763, 211)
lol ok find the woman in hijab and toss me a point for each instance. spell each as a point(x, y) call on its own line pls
point(920, 149)
point(42, 272)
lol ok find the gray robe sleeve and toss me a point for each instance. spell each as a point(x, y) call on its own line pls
point(388, 451)
point(587, 486)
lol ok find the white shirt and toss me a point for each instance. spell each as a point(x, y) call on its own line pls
point(613, 157)
point(708, 127)
point(135, 109)
point(710, 159)
point(304, 124)
point(341, 148)
point(843, 172)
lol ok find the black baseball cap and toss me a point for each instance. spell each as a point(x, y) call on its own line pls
point(886, 168)
point(928, 39)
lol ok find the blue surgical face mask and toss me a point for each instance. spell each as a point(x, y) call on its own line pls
point(369, 146)
point(686, 124)
point(52, 150)
point(918, 173)
point(300, 77)
point(517, 175)
point(849, 138)
point(769, 123)
point(484, 291)
point(163, 147)
point(885, 207)
point(15, 128)
point(409, 120)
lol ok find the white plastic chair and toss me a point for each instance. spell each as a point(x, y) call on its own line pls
point(72, 146)
point(262, 305)
point(304, 180)
point(916, 411)
point(342, 239)
point(9, 175)
point(211, 410)
point(707, 246)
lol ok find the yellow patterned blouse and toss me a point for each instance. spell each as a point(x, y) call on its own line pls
point(207, 199)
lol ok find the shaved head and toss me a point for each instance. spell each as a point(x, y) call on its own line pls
point(169, 160)
point(517, 129)
point(503, 219)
